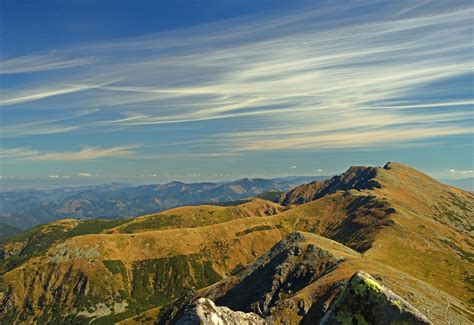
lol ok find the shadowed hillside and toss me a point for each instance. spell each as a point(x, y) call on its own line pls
point(303, 278)
point(399, 225)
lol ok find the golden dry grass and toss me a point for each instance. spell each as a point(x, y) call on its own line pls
point(411, 224)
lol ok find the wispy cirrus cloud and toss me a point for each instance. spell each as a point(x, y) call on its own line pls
point(36, 63)
point(58, 124)
point(29, 96)
point(384, 77)
point(17, 153)
point(376, 138)
point(86, 153)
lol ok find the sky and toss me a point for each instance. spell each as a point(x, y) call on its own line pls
point(154, 91)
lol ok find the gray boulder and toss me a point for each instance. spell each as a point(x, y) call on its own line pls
point(204, 312)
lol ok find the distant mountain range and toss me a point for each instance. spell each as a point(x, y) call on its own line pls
point(374, 245)
point(27, 208)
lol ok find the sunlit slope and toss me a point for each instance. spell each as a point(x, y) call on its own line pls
point(395, 216)
point(300, 277)
point(118, 275)
point(432, 235)
point(197, 216)
point(409, 221)
point(36, 241)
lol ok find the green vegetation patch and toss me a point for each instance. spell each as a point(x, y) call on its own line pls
point(257, 228)
point(38, 241)
point(95, 226)
point(239, 267)
point(153, 222)
point(467, 256)
point(116, 267)
point(158, 281)
point(273, 196)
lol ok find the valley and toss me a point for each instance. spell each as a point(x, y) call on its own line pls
point(286, 260)
point(24, 209)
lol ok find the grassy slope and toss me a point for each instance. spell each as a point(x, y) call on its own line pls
point(110, 266)
point(428, 299)
point(427, 226)
point(146, 251)
point(198, 216)
point(432, 236)
point(428, 235)
point(321, 292)
point(37, 240)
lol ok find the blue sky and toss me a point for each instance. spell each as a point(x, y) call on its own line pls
point(210, 90)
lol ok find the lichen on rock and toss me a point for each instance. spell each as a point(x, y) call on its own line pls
point(366, 301)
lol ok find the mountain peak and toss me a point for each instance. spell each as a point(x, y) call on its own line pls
point(355, 177)
point(390, 164)
point(360, 178)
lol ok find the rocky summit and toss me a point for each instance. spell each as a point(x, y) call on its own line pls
point(374, 245)
point(204, 311)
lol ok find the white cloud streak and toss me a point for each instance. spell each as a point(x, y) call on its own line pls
point(17, 153)
point(86, 153)
point(301, 82)
point(36, 63)
point(41, 94)
point(461, 172)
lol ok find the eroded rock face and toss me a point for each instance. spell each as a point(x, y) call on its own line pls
point(365, 301)
point(205, 312)
point(356, 177)
point(290, 266)
point(11, 249)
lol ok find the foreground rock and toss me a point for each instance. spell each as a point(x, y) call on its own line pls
point(308, 279)
point(365, 301)
point(205, 312)
point(290, 266)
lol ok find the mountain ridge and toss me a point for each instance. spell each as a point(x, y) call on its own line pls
point(408, 230)
point(24, 209)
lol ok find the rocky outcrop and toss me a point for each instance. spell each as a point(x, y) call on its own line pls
point(11, 249)
point(204, 312)
point(357, 178)
point(287, 268)
point(297, 282)
point(365, 301)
